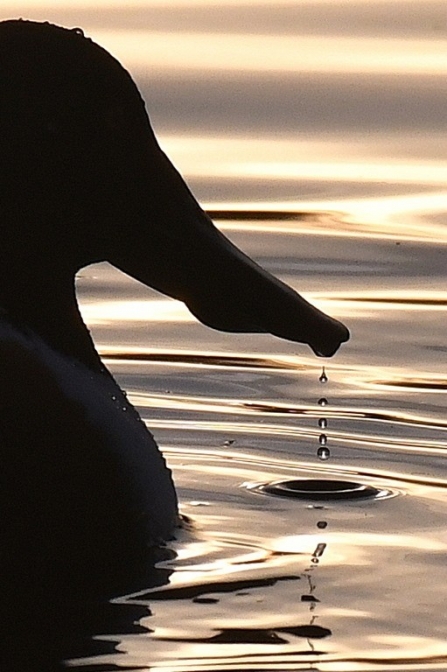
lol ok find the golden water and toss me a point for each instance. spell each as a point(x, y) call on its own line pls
point(315, 134)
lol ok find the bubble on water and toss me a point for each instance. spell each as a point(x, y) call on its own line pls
point(323, 378)
point(322, 439)
point(323, 453)
point(323, 401)
point(322, 422)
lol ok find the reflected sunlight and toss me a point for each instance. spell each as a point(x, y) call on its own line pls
point(153, 310)
point(345, 547)
point(313, 134)
point(140, 49)
point(100, 4)
point(337, 158)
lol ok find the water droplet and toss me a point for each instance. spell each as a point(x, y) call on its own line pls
point(323, 378)
point(323, 453)
point(322, 439)
point(323, 401)
point(322, 422)
point(321, 524)
point(315, 561)
point(318, 552)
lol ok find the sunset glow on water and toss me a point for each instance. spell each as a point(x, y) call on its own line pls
point(314, 133)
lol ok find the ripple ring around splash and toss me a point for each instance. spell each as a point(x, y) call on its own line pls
point(323, 490)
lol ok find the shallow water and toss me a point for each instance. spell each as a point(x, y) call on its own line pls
point(315, 134)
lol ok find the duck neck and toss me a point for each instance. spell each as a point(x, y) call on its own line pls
point(44, 301)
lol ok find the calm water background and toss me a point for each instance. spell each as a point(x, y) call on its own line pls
point(335, 113)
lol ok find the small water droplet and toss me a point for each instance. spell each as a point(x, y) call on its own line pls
point(323, 401)
point(315, 561)
point(321, 524)
point(318, 552)
point(323, 453)
point(322, 422)
point(323, 378)
point(322, 439)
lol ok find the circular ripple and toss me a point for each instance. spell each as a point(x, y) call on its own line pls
point(323, 489)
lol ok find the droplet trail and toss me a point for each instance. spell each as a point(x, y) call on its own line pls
point(323, 378)
point(318, 552)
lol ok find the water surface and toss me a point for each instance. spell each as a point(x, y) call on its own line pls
point(315, 135)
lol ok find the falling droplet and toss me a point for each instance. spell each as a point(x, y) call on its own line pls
point(321, 524)
point(322, 439)
point(318, 552)
point(323, 378)
point(322, 422)
point(323, 453)
point(323, 401)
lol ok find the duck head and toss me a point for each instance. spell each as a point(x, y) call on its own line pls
point(84, 180)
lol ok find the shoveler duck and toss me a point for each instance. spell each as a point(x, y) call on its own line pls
point(83, 180)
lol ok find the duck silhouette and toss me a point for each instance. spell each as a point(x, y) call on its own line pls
point(83, 180)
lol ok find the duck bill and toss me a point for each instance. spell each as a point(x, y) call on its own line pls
point(183, 255)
